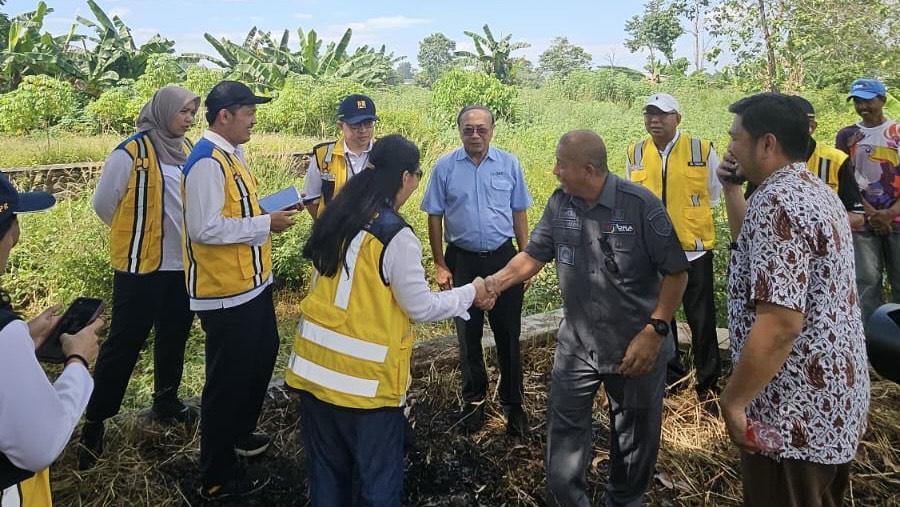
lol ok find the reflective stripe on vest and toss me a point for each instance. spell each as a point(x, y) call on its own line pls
point(140, 206)
point(684, 186)
point(217, 271)
point(354, 341)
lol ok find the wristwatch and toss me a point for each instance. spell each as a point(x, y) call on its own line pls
point(660, 326)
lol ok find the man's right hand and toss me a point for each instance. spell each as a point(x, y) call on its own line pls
point(444, 277)
point(281, 220)
point(728, 171)
point(83, 343)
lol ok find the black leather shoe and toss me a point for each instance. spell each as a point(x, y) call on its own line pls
point(472, 416)
point(90, 447)
point(516, 421)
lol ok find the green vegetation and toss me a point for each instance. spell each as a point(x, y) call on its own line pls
point(73, 97)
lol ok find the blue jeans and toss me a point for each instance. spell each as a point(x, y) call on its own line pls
point(340, 441)
point(873, 255)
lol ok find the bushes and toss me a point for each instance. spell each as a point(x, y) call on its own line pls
point(605, 85)
point(306, 106)
point(39, 102)
point(458, 88)
point(115, 109)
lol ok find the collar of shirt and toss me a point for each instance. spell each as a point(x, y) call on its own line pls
point(365, 152)
point(219, 141)
point(663, 153)
point(462, 155)
point(607, 197)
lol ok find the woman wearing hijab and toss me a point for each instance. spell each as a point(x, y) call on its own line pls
point(351, 357)
point(139, 198)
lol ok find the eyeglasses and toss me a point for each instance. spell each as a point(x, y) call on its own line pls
point(481, 131)
point(418, 173)
point(610, 260)
point(658, 114)
point(363, 125)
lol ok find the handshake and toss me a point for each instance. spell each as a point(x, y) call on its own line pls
point(486, 292)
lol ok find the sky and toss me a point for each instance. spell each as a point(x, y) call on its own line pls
point(597, 25)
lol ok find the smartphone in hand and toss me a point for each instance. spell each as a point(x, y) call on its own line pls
point(80, 313)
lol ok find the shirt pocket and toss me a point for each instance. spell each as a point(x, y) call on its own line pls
point(638, 175)
point(567, 241)
point(697, 178)
point(501, 191)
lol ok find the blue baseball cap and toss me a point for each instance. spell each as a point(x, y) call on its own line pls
point(13, 202)
point(356, 108)
point(867, 89)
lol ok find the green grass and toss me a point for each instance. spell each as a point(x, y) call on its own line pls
point(63, 254)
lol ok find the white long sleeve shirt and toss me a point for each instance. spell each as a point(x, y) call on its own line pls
point(204, 223)
point(112, 187)
point(402, 268)
point(37, 418)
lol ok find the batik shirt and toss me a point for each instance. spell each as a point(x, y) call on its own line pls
point(795, 250)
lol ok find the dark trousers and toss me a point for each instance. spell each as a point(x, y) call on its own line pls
point(339, 441)
point(241, 346)
point(792, 482)
point(505, 320)
point(635, 412)
point(141, 302)
point(700, 310)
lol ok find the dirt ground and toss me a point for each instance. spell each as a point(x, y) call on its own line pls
point(147, 464)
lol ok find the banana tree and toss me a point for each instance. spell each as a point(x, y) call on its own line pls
point(109, 56)
point(266, 64)
point(493, 55)
point(28, 51)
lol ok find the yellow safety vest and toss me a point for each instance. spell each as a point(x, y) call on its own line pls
point(218, 271)
point(684, 189)
point(825, 162)
point(332, 164)
point(354, 341)
point(136, 232)
point(32, 492)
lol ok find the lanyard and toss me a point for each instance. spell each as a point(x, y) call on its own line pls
point(353, 171)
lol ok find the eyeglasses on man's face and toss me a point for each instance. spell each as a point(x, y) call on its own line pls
point(363, 125)
point(481, 131)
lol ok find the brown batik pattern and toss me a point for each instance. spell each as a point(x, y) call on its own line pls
point(795, 250)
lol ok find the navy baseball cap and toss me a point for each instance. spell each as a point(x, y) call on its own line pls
point(13, 202)
point(231, 93)
point(867, 89)
point(356, 108)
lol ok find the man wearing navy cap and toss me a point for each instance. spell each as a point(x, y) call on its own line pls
point(874, 148)
point(228, 267)
point(335, 162)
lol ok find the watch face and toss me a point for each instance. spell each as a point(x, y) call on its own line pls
point(661, 327)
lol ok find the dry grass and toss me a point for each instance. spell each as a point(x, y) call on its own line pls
point(146, 464)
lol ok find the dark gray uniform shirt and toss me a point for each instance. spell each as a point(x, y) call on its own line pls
point(626, 230)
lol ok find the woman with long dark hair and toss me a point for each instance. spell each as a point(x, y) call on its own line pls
point(351, 357)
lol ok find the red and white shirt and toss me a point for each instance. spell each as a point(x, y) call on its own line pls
point(795, 250)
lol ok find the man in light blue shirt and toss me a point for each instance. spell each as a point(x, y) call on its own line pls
point(478, 194)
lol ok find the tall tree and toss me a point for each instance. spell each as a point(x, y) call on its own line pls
point(695, 12)
point(803, 42)
point(493, 55)
point(656, 30)
point(562, 57)
point(435, 57)
point(404, 70)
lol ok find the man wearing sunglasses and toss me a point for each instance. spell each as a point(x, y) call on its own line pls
point(681, 171)
point(477, 200)
point(335, 162)
point(621, 273)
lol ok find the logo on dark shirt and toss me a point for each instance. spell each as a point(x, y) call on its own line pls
point(617, 228)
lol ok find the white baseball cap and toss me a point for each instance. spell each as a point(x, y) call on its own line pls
point(662, 101)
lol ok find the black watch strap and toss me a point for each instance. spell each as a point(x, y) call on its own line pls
point(660, 326)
